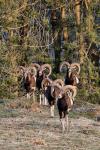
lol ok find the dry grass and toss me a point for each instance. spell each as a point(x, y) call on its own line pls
point(39, 142)
point(33, 129)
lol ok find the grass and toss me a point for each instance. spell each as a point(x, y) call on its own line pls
point(74, 115)
point(26, 129)
point(8, 108)
point(7, 112)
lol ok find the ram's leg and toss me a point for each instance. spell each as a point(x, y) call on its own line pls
point(28, 96)
point(67, 123)
point(52, 110)
point(33, 93)
point(43, 98)
point(40, 99)
point(33, 96)
point(63, 124)
point(45, 101)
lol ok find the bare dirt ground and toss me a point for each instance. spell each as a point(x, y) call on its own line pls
point(33, 129)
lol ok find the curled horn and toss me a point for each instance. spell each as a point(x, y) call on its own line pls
point(59, 82)
point(71, 88)
point(22, 69)
point(45, 82)
point(37, 66)
point(76, 66)
point(47, 66)
point(64, 64)
point(55, 86)
point(33, 70)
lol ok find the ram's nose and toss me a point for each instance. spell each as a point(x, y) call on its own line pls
point(40, 73)
point(60, 96)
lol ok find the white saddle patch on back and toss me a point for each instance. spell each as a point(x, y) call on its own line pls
point(77, 80)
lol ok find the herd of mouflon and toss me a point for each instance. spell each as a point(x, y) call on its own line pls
point(51, 92)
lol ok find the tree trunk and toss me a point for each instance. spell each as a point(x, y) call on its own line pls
point(81, 47)
point(64, 25)
point(77, 12)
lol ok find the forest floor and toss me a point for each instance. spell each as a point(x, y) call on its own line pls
point(32, 128)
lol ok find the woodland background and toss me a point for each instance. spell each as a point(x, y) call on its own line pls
point(47, 31)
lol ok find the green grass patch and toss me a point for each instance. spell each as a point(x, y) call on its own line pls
point(8, 113)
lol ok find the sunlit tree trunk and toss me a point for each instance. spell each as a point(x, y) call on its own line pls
point(77, 12)
point(64, 24)
point(80, 34)
point(89, 23)
point(87, 3)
